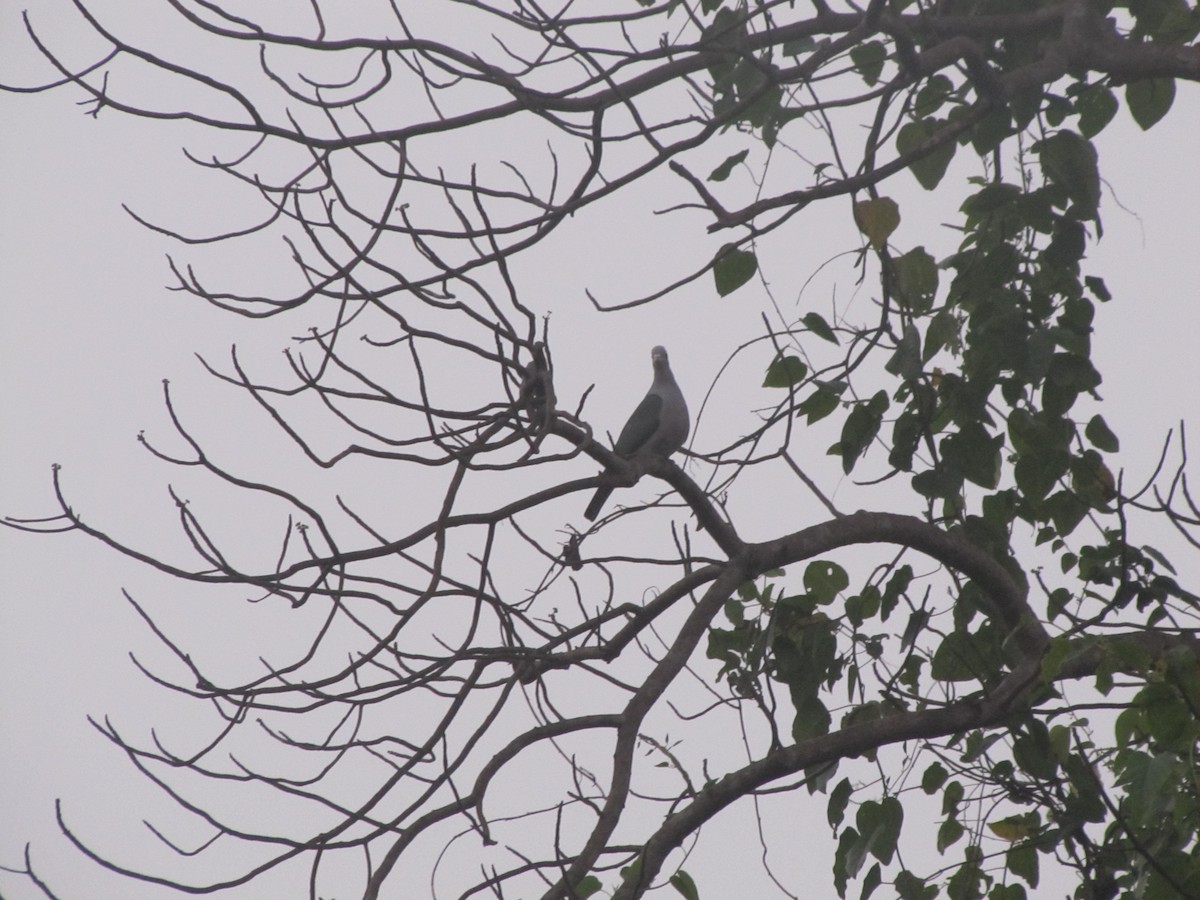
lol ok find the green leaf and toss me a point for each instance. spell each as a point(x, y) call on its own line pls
point(1007, 892)
point(847, 859)
point(948, 834)
point(1149, 99)
point(784, 372)
point(733, 268)
point(966, 657)
point(868, 58)
point(917, 280)
point(686, 886)
point(965, 884)
point(821, 402)
point(1098, 288)
point(1056, 654)
point(934, 777)
point(877, 218)
point(1096, 106)
point(975, 452)
point(989, 131)
point(1023, 862)
point(1065, 510)
point(723, 171)
point(917, 620)
point(1098, 433)
point(930, 162)
point(824, 580)
point(951, 798)
point(909, 887)
point(805, 44)
point(835, 810)
point(905, 361)
point(883, 840)
point(587, 886)
point(812, 719)
point(941, 333)
point(871, 880)
point(860, 429)
point(896, 586)
point(1068, 376)
point(632, 871)
point(816, 323)
point(932, 95)
point(1070, 162)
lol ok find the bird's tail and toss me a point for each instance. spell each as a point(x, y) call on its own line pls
point(598, 499)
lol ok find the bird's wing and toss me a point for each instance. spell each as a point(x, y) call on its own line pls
point(641, 426)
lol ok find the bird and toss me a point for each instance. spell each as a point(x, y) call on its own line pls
point(658, 427)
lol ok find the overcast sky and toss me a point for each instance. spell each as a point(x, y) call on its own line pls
point(88, 333)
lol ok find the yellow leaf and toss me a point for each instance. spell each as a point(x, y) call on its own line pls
point(1010, 829)
point(877, 219)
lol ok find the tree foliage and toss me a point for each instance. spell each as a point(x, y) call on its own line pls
point(1017, 667)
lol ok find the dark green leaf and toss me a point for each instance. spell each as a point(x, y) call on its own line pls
point(1025, 104)
point(932, 95)
point(966, 657)
point(868, 58)
point(587, 886)
point(1066, 246)
point(905, 361)
point(1033, 754)
point(835, 811)
point(1098, 288)
point(871, 880)
point(1070, 162)
point(910, 887)
point(1056, 654)
point(860, 429)
point(1096, 106)
point(825, 580)
point(965, 884)
point(989, 131)
point(917, 279)
point(1068, 376)
point(896, 586)
point(934, 777)
point(805, 44)
point(784, 372)
point(976, 453)
point(732, 269)
point(1098, 433)
point(812, 719)
point(1037, 472)
point(937, 483)
point(1007, 892)
point(847, 859)
point(929, 159)
point(890, 820)
point(1149, 100)
point(905, 434)
point(917, 621)
point(686, 886)
point(723, 171)
point(1066, 511)
point(816, 323)
point(820, 402)
point(948, 834)
point(942, 333)
point(1023, 862)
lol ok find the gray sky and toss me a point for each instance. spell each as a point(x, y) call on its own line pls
point(88, 333)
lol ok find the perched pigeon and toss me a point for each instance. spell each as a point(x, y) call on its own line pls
point(658, 427)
